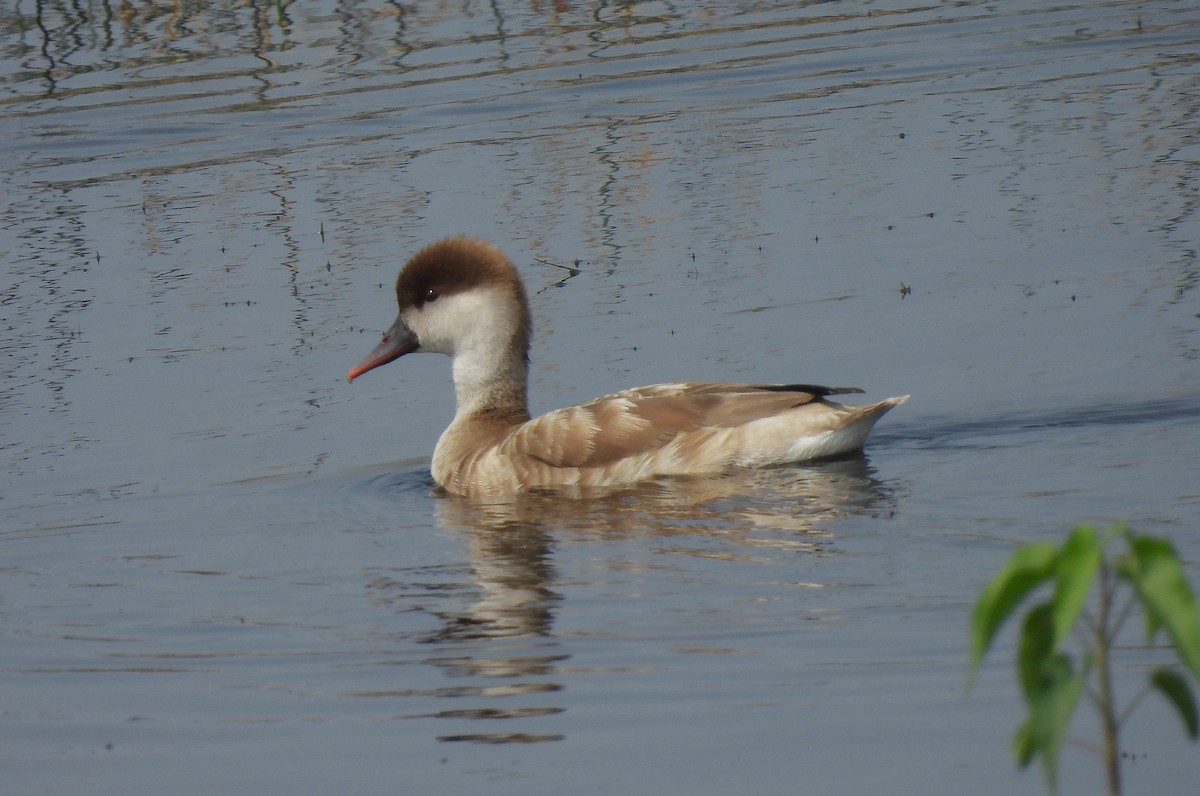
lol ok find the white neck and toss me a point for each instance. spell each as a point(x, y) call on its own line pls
point(486, 339)
point(490, 379)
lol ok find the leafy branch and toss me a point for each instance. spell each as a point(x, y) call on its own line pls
point(1051, 680)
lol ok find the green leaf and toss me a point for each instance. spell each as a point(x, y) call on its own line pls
point(1030, 566)
point(1051, 689)
point(1035, 650)
point(1152, 568)
point(1077, 565)
point(1053, 701)
point(1024, 747)
point(1175, 688)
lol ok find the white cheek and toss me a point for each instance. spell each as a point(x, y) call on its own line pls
point(463, 323)
point(432, 328)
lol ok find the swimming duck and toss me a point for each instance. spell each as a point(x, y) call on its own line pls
point(462, 297)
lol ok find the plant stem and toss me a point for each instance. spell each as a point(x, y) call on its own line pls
point(1107, 704)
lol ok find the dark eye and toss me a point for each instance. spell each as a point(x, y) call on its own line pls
point(430, 295)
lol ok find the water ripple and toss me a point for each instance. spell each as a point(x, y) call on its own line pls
point(1015, 426)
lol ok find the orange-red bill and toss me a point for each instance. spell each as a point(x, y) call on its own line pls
point(397, 341)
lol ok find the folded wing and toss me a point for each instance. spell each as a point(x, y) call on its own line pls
point(641, 420)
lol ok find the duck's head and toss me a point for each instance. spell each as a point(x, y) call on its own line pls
point(461, 297)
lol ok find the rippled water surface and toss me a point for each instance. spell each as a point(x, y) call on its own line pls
point(224, 570)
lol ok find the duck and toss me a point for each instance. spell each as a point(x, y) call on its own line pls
point(463, 297)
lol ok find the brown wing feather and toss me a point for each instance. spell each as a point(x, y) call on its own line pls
point(643, 419)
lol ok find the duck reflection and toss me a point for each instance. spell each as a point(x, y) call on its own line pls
point(507, 631)
point(510, 563)
point(510, 545)
point(799, 499)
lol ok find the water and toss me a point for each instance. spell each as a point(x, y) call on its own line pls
point(225, 570)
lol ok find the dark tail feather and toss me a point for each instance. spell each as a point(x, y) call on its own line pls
point(812, 389)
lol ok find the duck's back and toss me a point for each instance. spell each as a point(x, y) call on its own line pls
point(667, 429)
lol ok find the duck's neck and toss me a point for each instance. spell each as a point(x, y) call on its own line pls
point(492, 385)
